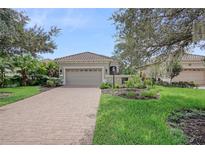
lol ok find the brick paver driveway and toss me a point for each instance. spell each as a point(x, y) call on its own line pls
point(58, 116)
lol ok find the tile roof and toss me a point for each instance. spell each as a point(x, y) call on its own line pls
point(189, 57)
point(84, 57)
point(46, 60)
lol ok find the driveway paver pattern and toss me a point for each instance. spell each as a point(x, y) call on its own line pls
point(63, 115)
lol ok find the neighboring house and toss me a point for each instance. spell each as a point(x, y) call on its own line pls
point(46, 60)
point(193, 70)
point(88, 69)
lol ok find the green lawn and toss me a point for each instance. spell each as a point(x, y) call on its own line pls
point(18, 93)
point(124, 121)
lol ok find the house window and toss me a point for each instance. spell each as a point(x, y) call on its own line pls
point(189, 64)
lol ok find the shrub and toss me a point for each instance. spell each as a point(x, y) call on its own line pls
point(16, 79)
point(57, 81)
point(186, 84)
point(53, 82)
point(41, 79)
point(131, 94)
point(181, 84)
point(129, 83)
point(50, 83)
point(7, 82)
point(192, 84)
point(134, 82)
point(117, 86)
point(149, 93)
point(148, 83)
point(105, 85)
point(13, 81)
point(154, 81)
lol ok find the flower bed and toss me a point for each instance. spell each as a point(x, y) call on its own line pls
point(191, 122)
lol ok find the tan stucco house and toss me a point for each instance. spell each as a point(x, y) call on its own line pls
point(193, 70)
point(88, 69)
point(91, 69)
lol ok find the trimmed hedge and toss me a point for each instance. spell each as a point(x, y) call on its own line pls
point(182, 84)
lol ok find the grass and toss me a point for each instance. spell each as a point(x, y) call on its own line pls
point(18, 93)
point(125, 121)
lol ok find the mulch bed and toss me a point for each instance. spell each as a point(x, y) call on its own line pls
point(4, 94)
point(192, 122)
point(122, 92)
point(137, 96)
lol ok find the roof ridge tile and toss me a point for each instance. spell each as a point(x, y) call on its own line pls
point(84, 56)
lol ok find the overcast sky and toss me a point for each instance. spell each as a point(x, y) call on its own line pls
point(81, 30)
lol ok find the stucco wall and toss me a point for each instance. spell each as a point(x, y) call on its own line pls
point(118, 78)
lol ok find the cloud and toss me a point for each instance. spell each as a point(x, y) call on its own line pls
point(71, 19)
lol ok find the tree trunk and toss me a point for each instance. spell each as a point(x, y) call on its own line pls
point(2, 78)
point(24, 77)
point(171, 80)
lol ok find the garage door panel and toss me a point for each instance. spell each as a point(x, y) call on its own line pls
point(86, 77)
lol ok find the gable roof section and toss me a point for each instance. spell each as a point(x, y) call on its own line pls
point(192, 57)
point(85, 57)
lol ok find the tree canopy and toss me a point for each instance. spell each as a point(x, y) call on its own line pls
point(142, 34)
point(16, 38)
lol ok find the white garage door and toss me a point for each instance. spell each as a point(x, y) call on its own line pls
point(198, 76)
point(84, 77)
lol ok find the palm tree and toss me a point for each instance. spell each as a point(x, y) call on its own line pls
point(52, 68)
point(25, 65)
